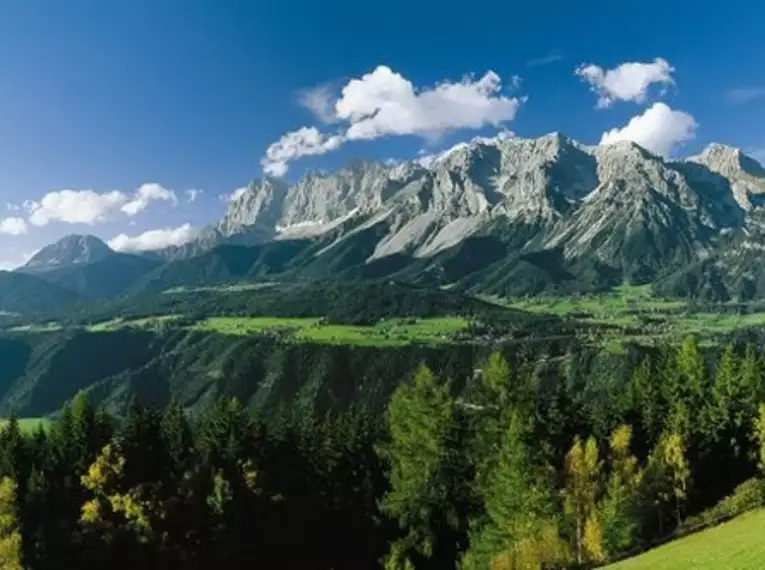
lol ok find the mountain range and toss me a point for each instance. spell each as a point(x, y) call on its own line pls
point(504, 216)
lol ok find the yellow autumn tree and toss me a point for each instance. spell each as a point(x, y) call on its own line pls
point(758, 434)
point(10, 536)
point(581, 493)
point(103, 479)
point(618, 508)
point(673, 454)
point(541, 547)
point(592, 541)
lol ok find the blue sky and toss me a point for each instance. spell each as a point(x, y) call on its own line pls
point(128, 104)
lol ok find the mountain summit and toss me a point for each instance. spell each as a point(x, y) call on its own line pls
point(553, 191)
point(69, 250)
point(506, 216)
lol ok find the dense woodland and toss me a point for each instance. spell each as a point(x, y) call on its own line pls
point(522, 467)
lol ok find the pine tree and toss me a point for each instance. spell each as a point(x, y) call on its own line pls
point(177, 439)
point(722, 412)
point(646, 396)
point(520, 513)
point(13, 449)
point(420, 419)
point(488, 408)
point(687, 385)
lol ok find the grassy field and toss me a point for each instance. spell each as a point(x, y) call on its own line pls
point(393, 332)
point(630, 313)
point(43, 327)
point(734, 545)
point(233, 288)
point(27, 424)
point(120, 323)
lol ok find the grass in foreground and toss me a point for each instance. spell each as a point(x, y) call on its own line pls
point(734, 545)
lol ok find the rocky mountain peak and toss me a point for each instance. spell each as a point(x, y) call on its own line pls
point(744, 175)
point(70, 250)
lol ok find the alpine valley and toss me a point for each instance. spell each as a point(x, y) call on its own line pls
point(367, 271)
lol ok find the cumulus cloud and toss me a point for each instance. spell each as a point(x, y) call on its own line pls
point(193, 193)
point(13, 226)
point(75, 207)
point(147, 193)
point(233, 196)
point(154, 239)
point(91, 207)
point(383, 103)
point(307, 141)
point(320, 101)
point(659, 129)
point(628, 82)
point(740, 95)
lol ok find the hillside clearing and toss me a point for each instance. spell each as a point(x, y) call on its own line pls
point(734, 545)
point(27, 425)
point(393, 332)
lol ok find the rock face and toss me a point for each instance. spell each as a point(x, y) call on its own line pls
point(745, 175)
point(619, 203)
point(68, 251)
point(489, 213)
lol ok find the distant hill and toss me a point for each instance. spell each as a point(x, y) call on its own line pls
point(21, 293)
point(106, 278)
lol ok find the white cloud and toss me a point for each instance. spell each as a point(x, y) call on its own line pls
point(320, 101)
point(154, 239)
point(193, 193)
point(659, 129)
point(741, 95)
point(307, 141)
point(12, 208)
point(384, 103)
point(91, 207)
point(147, 193)
point(234, 196)
point(75, 207)
point(13, 226)
point(629, 82)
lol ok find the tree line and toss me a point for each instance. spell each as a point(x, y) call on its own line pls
point(521, 468)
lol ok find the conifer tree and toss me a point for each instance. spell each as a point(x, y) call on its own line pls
point(520, 523)
point(420, 419)
point(687, 385)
